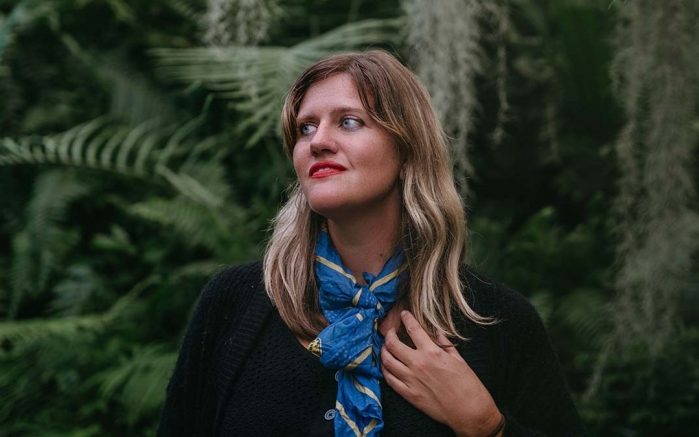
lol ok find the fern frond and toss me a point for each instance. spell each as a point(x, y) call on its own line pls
point(185, 9)
point(200, 269)
point(14, 334)
point(148, 151)
point(21, 272)
point(139, 382)
point(132, 94)
point(49, 430)
point(76, 291)
point(196, 223)
point(133, 97)
point(23, 13)
point(34, 259)
point(117, 240)
point(255, 79)
point(586, 313)
point(543, 302)
point(53, 192)
point(5, 299)
point(39, 248)
point(25, 331)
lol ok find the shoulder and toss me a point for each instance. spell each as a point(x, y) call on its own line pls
point(232, 281)
point(492, 299)
point(195, 384)
point(518, 331)
point(527, 378)
point(516, 322)
point(228, 291)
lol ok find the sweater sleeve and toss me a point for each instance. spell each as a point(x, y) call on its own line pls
point(190, 407)
point(537, 401)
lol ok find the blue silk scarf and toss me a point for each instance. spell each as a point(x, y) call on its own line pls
point(351, 343)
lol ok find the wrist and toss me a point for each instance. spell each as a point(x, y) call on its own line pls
point(492, 426)
point(498, 431)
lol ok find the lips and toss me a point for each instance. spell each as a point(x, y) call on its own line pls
point(325, 169)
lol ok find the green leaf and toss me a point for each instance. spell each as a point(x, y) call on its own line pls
point(256, 79)
point(150, 151)
point(139, 382)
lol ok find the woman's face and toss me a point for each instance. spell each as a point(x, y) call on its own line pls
point(345, 162)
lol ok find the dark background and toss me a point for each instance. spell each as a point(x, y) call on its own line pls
point(140, 151)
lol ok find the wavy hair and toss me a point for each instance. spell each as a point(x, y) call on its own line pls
point(433, 225)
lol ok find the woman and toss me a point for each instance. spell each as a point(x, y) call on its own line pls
point(370, 246)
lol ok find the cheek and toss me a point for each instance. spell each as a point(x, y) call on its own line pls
point(389, 162)
point(298, 162)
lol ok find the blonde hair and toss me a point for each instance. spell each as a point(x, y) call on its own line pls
point(433, 230)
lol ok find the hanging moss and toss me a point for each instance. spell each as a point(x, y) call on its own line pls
point(238, 22)
point(444, 48)
point(655, 73)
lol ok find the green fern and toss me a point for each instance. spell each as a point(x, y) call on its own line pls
point(543, 301)
point(185, 8)
point(256, 78)
point(586, 312)
point(32, 428)
point(117, 240)
point(197, 269)
point(148, 151)
point(138, 383)
point(39, 249)
point(220, 230)
point(75, 293)
point(4, 299)
point(22, 14)
point(16, 334)
point(133, 96)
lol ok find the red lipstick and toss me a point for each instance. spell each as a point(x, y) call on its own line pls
point(324, 169)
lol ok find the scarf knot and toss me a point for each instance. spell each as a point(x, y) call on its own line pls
point(351, 342)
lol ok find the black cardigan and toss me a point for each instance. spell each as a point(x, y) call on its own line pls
point(513, 358)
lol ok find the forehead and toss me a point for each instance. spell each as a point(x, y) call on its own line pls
point(338, 90)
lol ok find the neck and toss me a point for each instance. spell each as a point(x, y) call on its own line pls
point(367, 241)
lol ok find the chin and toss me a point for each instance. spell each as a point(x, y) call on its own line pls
point(340, 204)
point(329, 209)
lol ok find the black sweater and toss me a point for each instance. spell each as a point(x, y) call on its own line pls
point(513, 358)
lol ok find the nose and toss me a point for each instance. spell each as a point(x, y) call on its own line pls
point(323, 140)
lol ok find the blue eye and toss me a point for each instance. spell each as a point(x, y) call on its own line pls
point(351, 123)
point(306, 129)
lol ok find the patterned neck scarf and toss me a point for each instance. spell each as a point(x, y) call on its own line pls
point(352, 343)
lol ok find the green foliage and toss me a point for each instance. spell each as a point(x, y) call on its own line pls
point(145, 151)
point(39, 248)
point(656, 396)
point(256, 79)
point(224, 231)
point(138, 382)
point(109, 228)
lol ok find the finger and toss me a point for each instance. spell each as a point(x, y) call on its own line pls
point(415, 331)
point(395, 383)
point(446, 344)
point(398, 349)
point(388, 361)
point(392, 320)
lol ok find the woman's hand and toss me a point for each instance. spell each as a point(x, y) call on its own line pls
point(436, 380)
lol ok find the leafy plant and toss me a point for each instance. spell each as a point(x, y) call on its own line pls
point(255, 79)
point(109, 228)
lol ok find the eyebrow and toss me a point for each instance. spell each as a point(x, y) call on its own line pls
point(334, 111)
